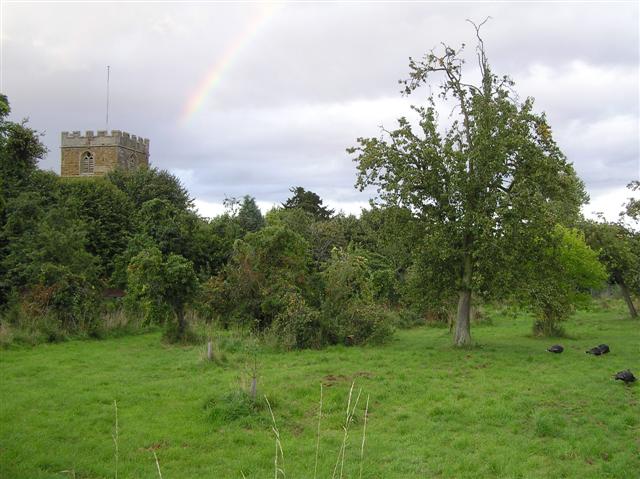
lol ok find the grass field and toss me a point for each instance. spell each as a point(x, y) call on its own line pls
point(506, 408)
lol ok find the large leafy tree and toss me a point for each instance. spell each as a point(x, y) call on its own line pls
point(490, 176)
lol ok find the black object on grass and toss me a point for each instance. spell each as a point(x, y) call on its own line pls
point(598, 350)
point(626, 376)
point(556, 348)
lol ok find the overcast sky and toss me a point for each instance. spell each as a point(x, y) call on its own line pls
point(254, 98)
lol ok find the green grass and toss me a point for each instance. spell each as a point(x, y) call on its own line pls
point(506, 408)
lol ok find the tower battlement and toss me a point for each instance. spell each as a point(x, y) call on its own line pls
point(76, 139)
point(97, 153)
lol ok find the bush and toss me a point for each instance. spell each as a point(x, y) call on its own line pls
point(266, 267)
point(409, 318)
point(349, 308)
point(365, 323)
point(385, 286)
point(298, 326)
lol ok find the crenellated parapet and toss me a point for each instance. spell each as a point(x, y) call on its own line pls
point(76, 139)
point(97, 153)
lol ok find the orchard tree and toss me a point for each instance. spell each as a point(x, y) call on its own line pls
point(171, 283)
point(488, 177)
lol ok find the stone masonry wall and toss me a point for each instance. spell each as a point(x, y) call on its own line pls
point(119, 149)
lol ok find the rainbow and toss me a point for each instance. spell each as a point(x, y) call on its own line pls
point(215, 73)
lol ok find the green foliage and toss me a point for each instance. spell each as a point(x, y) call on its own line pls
point(163, 284)
point(268, 285)
point(297, 325)
point(492, 177)
point(560, 278)
point(182, 232)
point(347, 277)
point(632, 207)
point(46, 264)
point(348, 301)
point(20, 151)
point(322, 235)
point(309, 202)
point(106, 214)
point(619, 250)
point(145, 184)
point(391, 232)
point(170, 227)
point(264, 267)
point(249, 217)
point(616, 246)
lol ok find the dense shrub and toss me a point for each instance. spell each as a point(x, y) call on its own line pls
point(265, 267)
point(348, 304)
point(298, 326)
point(364, 323)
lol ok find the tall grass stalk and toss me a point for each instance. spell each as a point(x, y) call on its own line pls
point(364, 435)
point(315, 468)
point(348, 419)
point(115, 436)
point(279, 451)
point(157, 464)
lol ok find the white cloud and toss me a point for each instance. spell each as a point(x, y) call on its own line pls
point(609, 203)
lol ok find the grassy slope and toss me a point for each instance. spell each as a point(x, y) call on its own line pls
point(507, 409)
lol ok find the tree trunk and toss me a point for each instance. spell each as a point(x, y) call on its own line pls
point(462, 336)
point(628, 300)
point(182, 323)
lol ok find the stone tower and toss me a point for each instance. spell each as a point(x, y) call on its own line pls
point(96, 155)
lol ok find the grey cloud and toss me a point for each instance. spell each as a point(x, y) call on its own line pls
point(311, 79)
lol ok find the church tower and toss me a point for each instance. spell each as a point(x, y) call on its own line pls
point(97, 154)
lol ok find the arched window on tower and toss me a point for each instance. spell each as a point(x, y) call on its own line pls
point(87, 163)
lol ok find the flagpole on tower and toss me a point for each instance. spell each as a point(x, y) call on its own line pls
point(108, 71)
